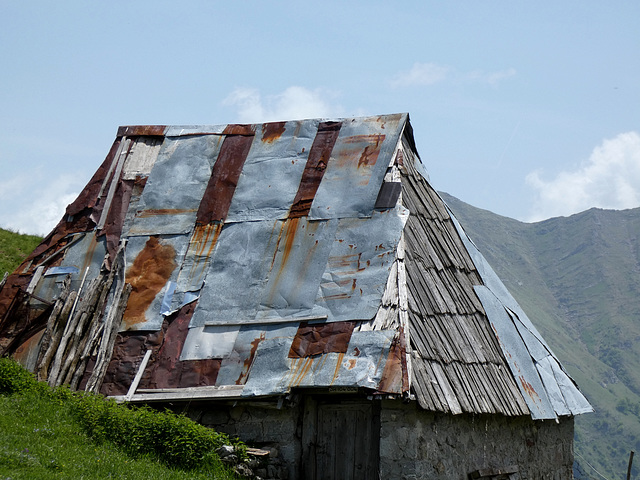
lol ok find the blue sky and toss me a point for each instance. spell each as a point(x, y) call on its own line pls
point(528, 109)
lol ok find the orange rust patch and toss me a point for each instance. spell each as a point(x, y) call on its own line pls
point(272, 131)
point(317, 339)
point(249, 361)
point(149, 273)
point(528, 388)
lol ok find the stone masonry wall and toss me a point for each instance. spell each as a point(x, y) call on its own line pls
point(416, 444)
point(260, 425)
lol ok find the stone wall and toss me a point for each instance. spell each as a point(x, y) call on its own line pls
point(263, 425)
point(416, 444)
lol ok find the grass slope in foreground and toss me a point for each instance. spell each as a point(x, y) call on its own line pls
point(14, 247)
point(56, 434)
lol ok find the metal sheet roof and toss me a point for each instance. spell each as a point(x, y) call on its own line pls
point(284, 255)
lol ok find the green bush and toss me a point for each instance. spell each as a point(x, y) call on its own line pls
point(173, 439)
point(14, 378)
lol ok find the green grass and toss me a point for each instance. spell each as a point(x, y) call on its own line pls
point(57, 434)
point(14, 247)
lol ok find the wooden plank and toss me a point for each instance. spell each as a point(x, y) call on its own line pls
point(138, 377)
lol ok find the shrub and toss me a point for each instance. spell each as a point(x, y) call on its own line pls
point(14, 378)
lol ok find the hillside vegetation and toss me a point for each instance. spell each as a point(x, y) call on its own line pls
point(14, 247)
point(56, 434)
point(578, 280)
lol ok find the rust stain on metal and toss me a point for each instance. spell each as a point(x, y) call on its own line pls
point(318, 339)
point(351, 363)
point(528, 388)
point(391, 380)
point(313, 172)
point(272, 131)
point(199, 373)
point(142, 130)
point(149, 273)
point(336, 372)
point(203, 243)
point(249, 361)
point(156, 212)
point(302, 368)
point(239, 129)
point(215, 203)
point(348, 264)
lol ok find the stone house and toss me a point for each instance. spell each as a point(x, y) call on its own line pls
point(301, 285)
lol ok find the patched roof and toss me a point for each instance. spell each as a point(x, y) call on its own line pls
point(240, 261)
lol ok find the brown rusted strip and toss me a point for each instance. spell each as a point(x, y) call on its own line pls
point(224, 179)
point(239, 129)
point(199, 373)
point(142, 130)
point(317, 339)
point(116, 216)
point(314, 169)
point(392, 380)
point(272, 131)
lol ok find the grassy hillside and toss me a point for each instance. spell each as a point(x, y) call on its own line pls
point(578, 279)
point(14, 247)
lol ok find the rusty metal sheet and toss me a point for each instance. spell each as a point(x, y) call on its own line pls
point(152, 269)
point(272, 171)
point(316, 164)
point(318, 338)
point(176, 184)
point(272, 372)
point(225, 174)
point(357, 166)
point(138, 130)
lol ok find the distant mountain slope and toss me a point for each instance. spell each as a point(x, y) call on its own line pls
point(578, 279)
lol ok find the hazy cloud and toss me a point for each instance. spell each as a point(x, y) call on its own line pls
point(425, 74)
point(421, 74)
point(294, 103)
point(23, 211)
point(491, 78)
point(610, 179)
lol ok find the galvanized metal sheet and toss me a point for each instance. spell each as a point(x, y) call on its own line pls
point(357, 166)
point(235, 367)
point(272, 372)
point(185, 130)
point(141, 158)
point(176, 184)
point(299, 268)
point(517, 356)
point(272, 172)
point(152, 269)
point(209, 342)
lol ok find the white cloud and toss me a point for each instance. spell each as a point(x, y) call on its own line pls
point(610, 179)
point(34, 204)
point(491, 78)
point(425, 74)
point(421, 74)
point(292, 104)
